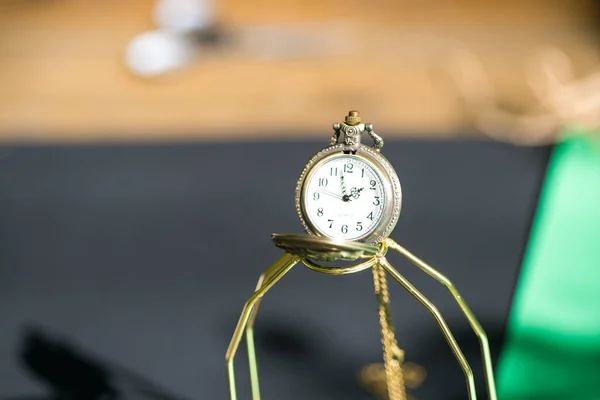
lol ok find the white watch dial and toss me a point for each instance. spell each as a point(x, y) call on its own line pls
point(344, 198)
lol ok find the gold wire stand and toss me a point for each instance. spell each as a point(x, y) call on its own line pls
point(311, 249)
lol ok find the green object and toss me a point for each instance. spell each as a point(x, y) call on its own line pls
point(552, 348)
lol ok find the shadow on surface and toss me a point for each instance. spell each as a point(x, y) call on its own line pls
point(71, 374)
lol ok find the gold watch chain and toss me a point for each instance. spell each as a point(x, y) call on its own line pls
point(393, 356)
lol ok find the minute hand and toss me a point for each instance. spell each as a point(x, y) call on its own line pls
point(337, 196)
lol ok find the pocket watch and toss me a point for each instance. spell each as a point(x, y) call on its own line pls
point(348, 190)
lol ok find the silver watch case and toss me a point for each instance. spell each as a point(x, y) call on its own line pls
point(392, 190)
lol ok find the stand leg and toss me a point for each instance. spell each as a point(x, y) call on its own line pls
point(439, 319)
point(252, 364)
point(475, 325)
point(279, 269)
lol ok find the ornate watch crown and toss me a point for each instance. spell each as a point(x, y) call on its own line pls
point(353, 118)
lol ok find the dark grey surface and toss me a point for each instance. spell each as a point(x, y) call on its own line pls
point(145, 255)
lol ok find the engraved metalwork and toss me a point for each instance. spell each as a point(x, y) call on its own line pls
point(352, 129)
point(322, 248)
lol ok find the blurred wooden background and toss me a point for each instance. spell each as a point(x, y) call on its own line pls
point(62, 76)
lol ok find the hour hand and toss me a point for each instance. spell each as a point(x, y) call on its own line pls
point(345, 196)
point(343, 185)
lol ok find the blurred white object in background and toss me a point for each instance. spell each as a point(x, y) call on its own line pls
point(170, 47)
point(158, 52)
point(187, 28)
point(183, 15)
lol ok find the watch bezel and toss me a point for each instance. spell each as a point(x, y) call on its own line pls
point(389, 178)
